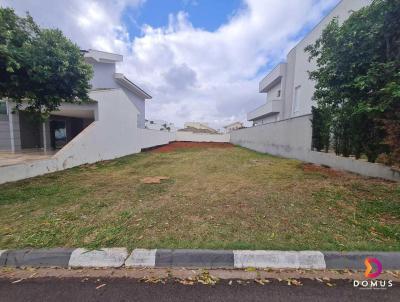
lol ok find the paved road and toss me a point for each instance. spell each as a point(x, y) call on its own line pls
point(124, 289)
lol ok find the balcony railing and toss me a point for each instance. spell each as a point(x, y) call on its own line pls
point(268, 109)
point(273, 77)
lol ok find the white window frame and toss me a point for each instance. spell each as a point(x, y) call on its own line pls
point(296, 100)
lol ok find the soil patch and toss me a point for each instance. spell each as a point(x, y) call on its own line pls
point(184, 145)
point(324, 170)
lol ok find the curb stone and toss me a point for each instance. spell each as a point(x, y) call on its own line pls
point(118, 257)
point(57, 257)
point(141, 258)
point(107, 257)
point(279, 259)
point(195, 258)
point(2, 260)
point(355, 260)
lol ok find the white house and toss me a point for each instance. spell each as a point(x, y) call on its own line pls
point(288, 87)
point(160, 125)
point(234, 126)
point(111, 125)
point(283, 124)
point(116, 101)
point(199, 126)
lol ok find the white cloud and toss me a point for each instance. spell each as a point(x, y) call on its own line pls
point(193, 74)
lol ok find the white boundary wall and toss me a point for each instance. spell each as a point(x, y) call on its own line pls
point(184, 136)
point(151, 138)
point(291, 138)
point(104, 139)
point(288, 138)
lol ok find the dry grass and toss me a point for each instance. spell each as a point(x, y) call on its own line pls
point(213, 198)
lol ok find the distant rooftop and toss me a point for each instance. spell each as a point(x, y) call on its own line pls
point(102, 56)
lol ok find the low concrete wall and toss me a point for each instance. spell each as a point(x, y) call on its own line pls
point(291, 138)
point(151, 138)
point(27, 170)
point(353, 165)
point(104, 139)
point(288, 138)
point(184, 136)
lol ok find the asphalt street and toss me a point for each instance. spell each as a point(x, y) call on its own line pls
point(126, 289)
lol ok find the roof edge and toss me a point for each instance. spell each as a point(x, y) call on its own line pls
point(124, 81)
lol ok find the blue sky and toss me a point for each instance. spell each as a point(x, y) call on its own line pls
point(201, 60)
point(208, 15)
point(205, 14)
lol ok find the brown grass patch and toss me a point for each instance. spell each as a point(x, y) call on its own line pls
point(323, 170)
point(186, 145)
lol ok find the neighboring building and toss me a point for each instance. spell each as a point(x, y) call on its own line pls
point(160, 125)
point(198, 127)
point(117, 105)
point(234, 126)
point(288, 87)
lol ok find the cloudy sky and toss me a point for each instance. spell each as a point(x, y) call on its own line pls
point(201, 60)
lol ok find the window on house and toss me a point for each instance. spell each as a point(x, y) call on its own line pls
point(296, 100)
point(3, 107)
point(278, 94)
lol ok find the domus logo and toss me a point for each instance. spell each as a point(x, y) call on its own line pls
point(368, 267)
point(373, 268)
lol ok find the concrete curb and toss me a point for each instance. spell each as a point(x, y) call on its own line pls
point(107, 257)
point(355, 260)
point(165, 258)
point(141, 258)
point(279, 259)
point(57, 257)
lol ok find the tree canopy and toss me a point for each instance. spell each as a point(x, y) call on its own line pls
point(39, 68)
point(358, 82)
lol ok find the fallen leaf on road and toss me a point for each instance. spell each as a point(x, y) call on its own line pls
point(186, 282)
point(262, 281)
point(294, 282)
point(152, 280)
point(100, 286)
point(17, 281)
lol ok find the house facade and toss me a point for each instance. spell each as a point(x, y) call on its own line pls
point(160, 125)
point(194, 126)
point(288, 89)
point(19, 132)
point(234, 126)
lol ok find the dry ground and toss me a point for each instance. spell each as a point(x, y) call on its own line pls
point(225, 198)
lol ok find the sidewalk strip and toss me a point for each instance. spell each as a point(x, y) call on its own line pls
point(355, 260)
point(106, 257)
point(194, 258)
point(57, 257)
point(141, 258)
point(279, 259)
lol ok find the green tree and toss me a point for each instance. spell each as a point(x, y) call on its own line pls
point(39, 67)
point(321, 129)
point(358, 77)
